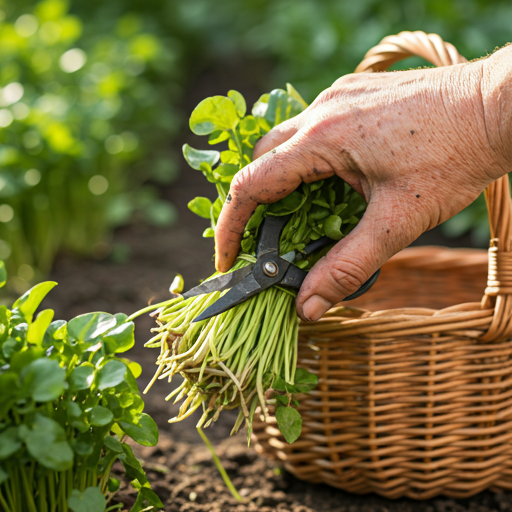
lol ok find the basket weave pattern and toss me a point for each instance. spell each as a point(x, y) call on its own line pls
point(415, 378)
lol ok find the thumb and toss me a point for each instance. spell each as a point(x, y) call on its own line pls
point(350, 263)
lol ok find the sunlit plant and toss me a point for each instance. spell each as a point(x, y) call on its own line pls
point(77, 110)
point(67, 404)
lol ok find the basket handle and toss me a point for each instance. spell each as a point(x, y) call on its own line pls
point(498, 293)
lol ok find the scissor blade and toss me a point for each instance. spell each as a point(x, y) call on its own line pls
point(220, 283)
point(247, 288)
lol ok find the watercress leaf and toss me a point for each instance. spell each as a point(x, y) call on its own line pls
point(196, 157)
point(332, 227)
point(320, 201)
point(81, 377)
point(126, 399)
point(227, 170)
point(289, 204)
point(3, 274)
point(37, 329)
point(74, 410)
point(88, 327)
point(121, 338)
point(339, 208)
point(280, 108)
point(80, 425)
point(295, 95)
point(208, 233)
point(279, 384)
point(248, 126)
point(83, 444)
point(113, 405)
point(260, 107)
point(3, 475)
point(112, 443)
point(100, 416)
point(257, 217)
point(111, 374)
point(218, 136)
point(232, 146)
point(30, 300)
point(44, 380)
point(305, 381)
point(290, 388)
point(120, 318)
point(50, 336)
point(239, 102)
point(46, 442)
point(289, 422)
point(146, 500)
point(230, 157)
point(24, 357)
point(200, 206)
point(5, 316)
point(9, 442)
point(132, 466)
point(9, 388)
point(215, 210)
point(215, 113)
point(113, 484)
point(135, 368)
point(144, 432)
point(282, 400)
point(91, 500)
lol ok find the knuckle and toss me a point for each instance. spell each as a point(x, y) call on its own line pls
point(324, 97)
point(347, 277)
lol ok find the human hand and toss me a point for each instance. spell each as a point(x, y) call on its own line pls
point(419, 145)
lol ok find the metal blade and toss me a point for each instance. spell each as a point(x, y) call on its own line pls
point(247, 288)
point(220, 283)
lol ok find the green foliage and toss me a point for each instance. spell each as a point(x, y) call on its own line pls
point(327, 207)
point(80, 105)
point(68, 402)
point(313, 43)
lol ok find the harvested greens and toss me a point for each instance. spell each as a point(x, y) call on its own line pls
point(231, 360)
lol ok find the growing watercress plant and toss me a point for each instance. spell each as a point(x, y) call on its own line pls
point(67, 404)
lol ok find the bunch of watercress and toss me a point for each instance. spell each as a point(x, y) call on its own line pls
point(67, 404)
point(231, 360)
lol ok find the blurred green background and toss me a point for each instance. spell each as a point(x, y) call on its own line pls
point(93, 98)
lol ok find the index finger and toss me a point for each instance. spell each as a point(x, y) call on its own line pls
point(266, 180)
point(263, 181)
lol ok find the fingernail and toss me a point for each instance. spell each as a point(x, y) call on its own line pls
point(315, 307)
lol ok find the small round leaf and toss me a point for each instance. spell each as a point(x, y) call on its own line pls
point(91, 500)
point(100, 416)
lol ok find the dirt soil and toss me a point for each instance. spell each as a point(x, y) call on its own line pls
point(180, 467)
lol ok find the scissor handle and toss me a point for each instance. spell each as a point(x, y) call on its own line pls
point(316, 245)
point(270, 233)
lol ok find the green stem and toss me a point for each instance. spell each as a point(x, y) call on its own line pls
point(29, 491)
point(3, 502)
point(222, 471)
point(114, 507)
point(146, 310)
point(51, 488)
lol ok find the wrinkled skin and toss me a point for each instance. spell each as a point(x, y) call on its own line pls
point(419, 145)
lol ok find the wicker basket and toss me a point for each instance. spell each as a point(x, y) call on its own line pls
point(413, 401)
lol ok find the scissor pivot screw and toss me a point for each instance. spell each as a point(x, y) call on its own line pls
point(270, 269)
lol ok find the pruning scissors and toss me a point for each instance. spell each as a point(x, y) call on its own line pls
point(270, 269)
